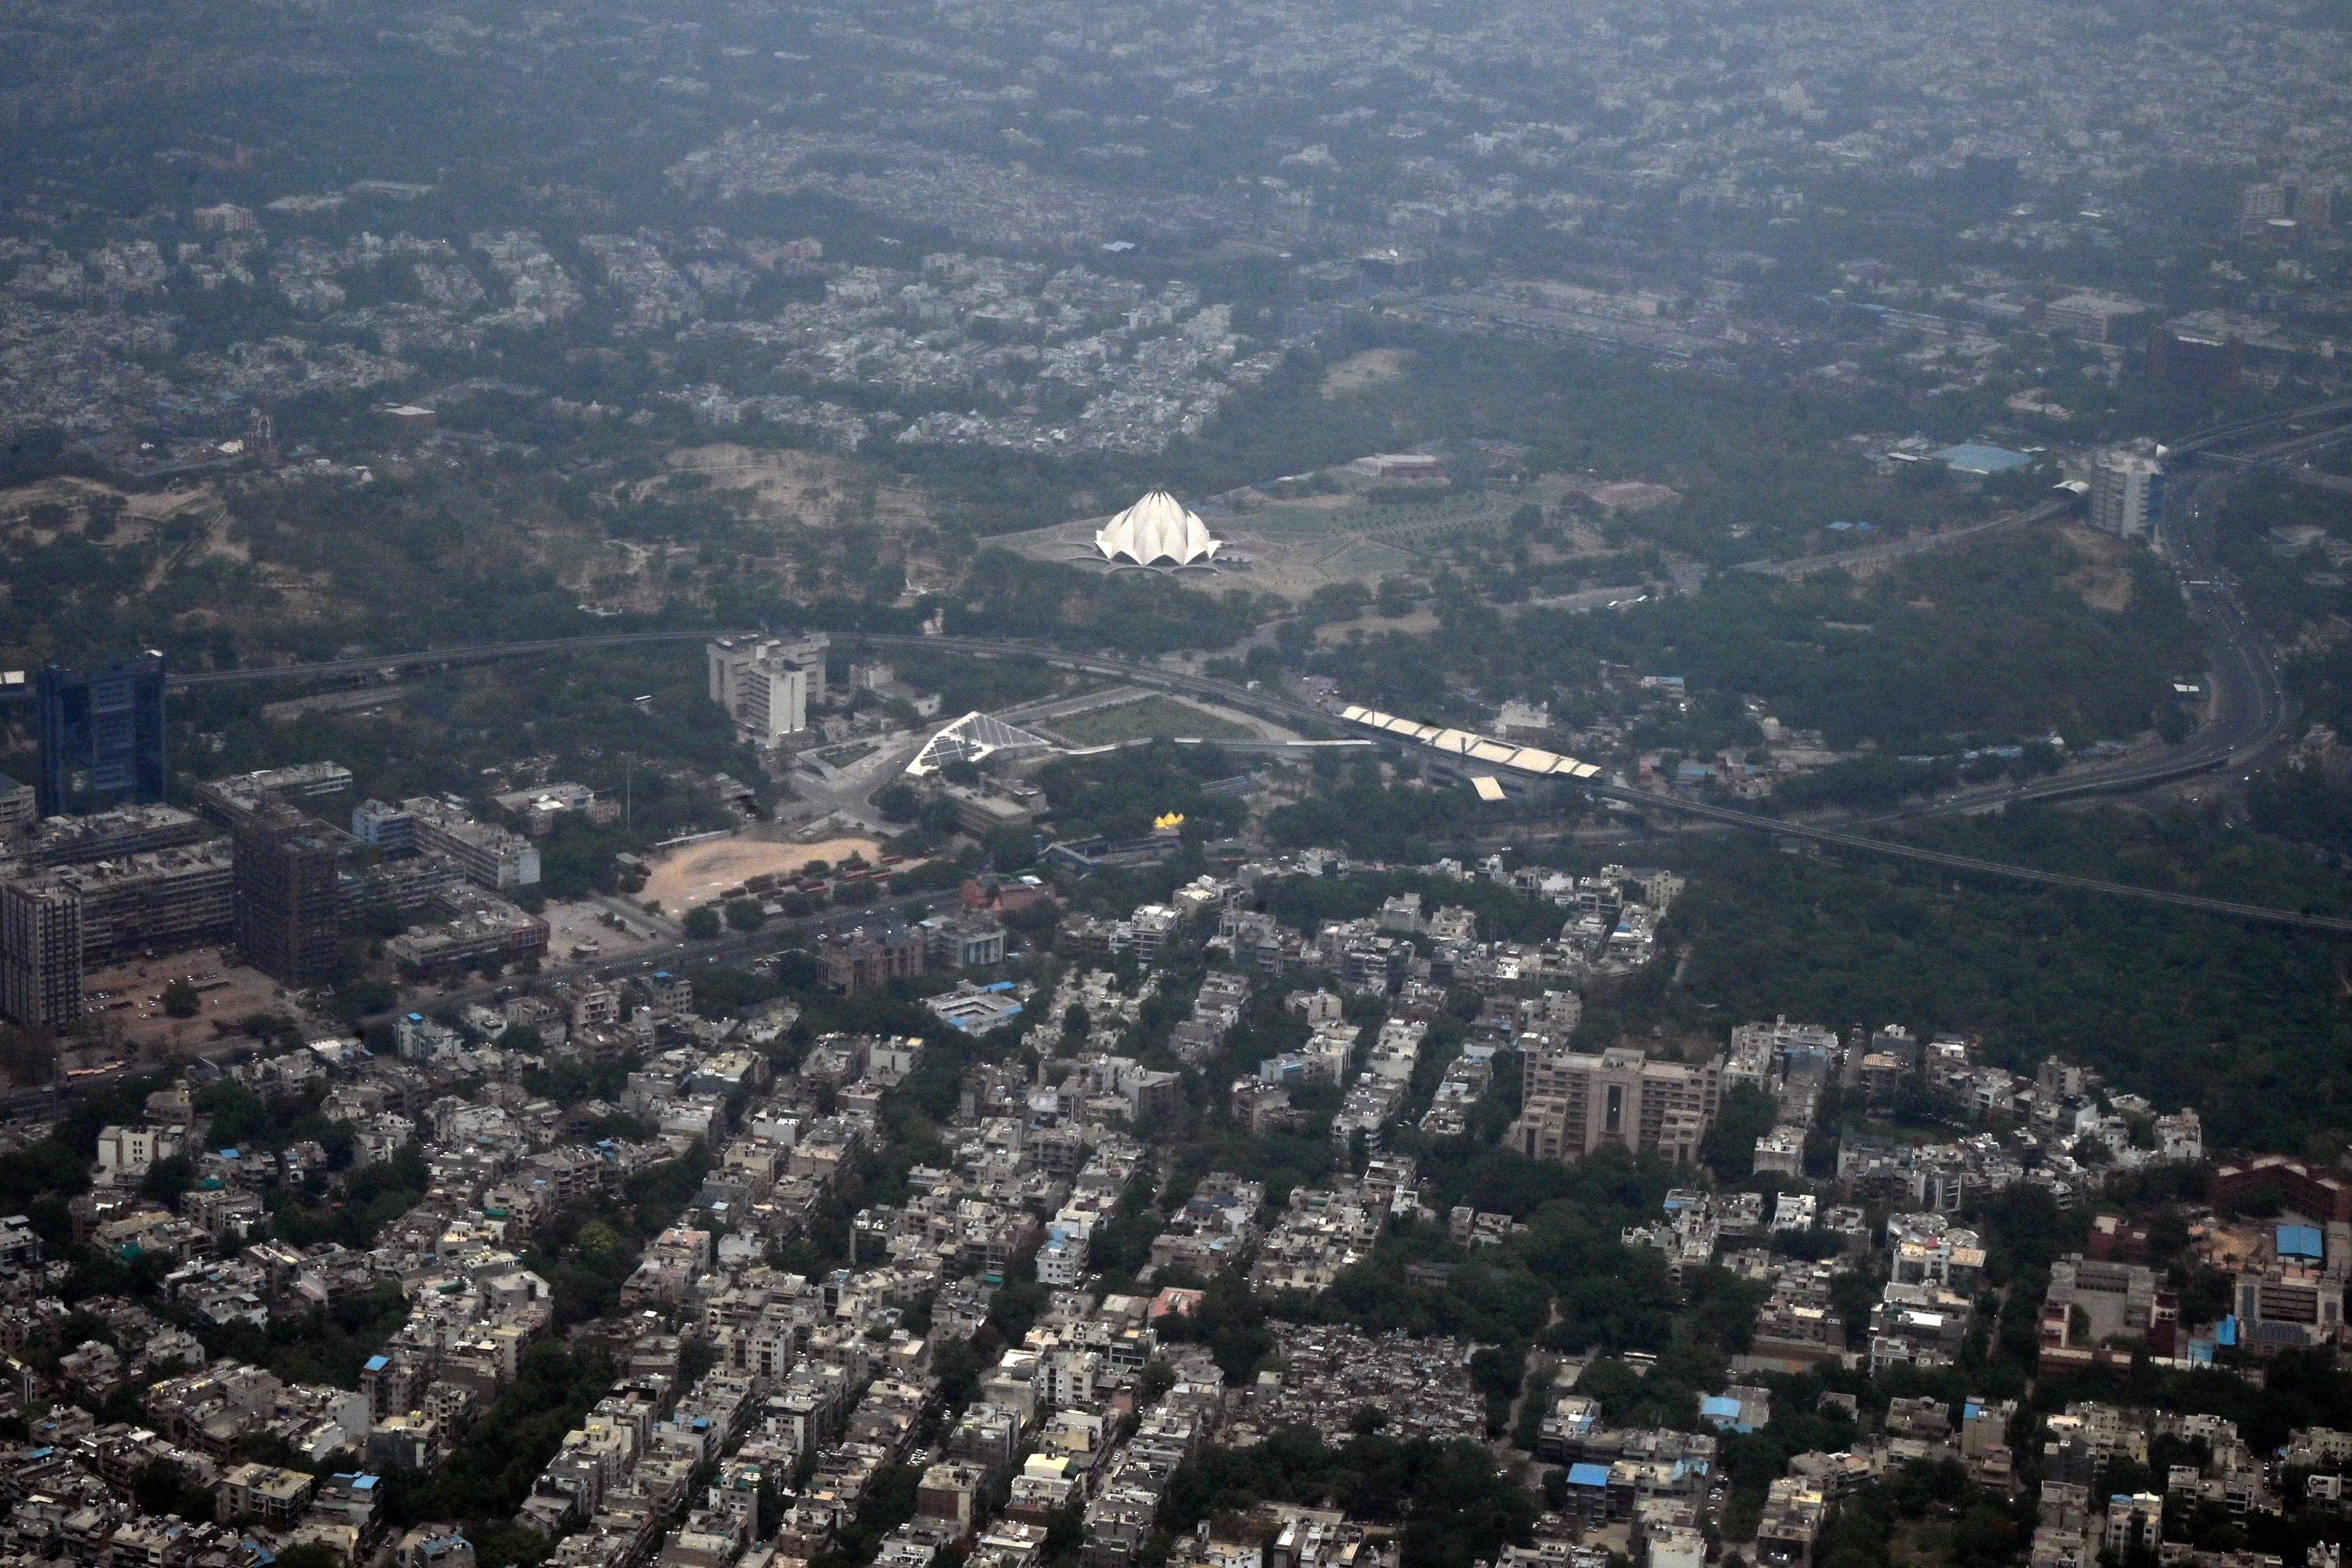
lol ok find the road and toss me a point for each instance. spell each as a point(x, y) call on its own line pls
point(1269, 703)
point(2248, 713)
point(1143, 674)
point(1894, 850)
point(2248, 717)
point(1895, 549)
point(2221, 434)
point(464, 653)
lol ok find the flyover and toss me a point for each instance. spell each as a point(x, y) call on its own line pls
point(2250, 708)
point(1270, 704)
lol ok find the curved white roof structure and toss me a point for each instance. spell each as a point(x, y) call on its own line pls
point(1478, 748)
point(972, 737)
point(1157, 531)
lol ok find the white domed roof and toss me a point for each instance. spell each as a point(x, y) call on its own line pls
point(1156, 529)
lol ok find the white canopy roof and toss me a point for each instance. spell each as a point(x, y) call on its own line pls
point(1155, 529)
point(972, 737)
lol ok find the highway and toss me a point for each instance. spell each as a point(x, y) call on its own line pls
point(1815, 833)
point(2258, 720)
point(1895, 549)
point(1300, 713)
point(2220, 434)
point(420, 658)
point(2249, 711)
point(2248, 714)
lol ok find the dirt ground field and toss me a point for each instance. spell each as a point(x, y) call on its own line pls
point(701, 873)
point(1632, 496)
point(798, 487)
point(129, 997)
point(2103, 580)
point(572, 925)
point(138, 515)
point(1370, 368)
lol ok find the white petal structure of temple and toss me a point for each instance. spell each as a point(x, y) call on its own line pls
point(1158, 531)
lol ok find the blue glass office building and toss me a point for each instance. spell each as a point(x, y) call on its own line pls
point(101, 737)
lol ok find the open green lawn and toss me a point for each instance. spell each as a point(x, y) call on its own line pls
point(1151, 715)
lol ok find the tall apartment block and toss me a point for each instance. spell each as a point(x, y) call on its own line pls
point(19, 808)
point(2126, 493)
point(286, 897)
point(58, 923)
point(1573, 1104)
point(40, 956)
point(768, 685)
point(101, 737)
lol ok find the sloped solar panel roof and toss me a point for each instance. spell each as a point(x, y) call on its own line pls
point(971, 738)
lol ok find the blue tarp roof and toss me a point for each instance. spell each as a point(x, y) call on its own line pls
point(2301, 1241)
point(1588, 1475)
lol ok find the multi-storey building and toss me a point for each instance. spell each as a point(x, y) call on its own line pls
point(963, 941)
point(1573, 1104)
point(2126, 493)
point(474, 926)
point(766, 685)
point(235, 802)
point(19, 808)
point(40, 956)
point(384, 826)
point(101, 737)
point(57, 924)
point(288, 897)
point(495, 857)
point(2289, 1304)
point(859, 960)
point(166, 901)
point(125, 830)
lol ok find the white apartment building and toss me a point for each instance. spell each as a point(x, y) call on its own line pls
point(768, 685)
point(2126, 493)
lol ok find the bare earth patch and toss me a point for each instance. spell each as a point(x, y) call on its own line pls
point(2104, 580)
point(799, 487)
point(1361, 372)
point(138, 516)
point(699, 873)
point(1633, 495)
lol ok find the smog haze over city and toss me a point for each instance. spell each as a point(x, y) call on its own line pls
point(1259, 784)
